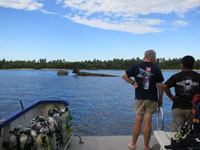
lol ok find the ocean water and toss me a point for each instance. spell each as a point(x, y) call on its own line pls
point(99, 105)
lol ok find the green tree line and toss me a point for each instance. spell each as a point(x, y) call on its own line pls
point(88, 64)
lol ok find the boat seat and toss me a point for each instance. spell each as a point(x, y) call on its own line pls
point(163, 138)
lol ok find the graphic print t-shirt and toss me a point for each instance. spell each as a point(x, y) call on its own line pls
point(187, 84)
point(146, 75)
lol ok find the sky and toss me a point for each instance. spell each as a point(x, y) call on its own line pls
point(79, 30)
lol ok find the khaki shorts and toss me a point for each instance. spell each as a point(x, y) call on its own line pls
point(180, 116)
point(143, 106)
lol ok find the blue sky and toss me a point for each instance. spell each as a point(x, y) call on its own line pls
point(78, 30)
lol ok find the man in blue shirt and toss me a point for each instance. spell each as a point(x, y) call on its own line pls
point(147, 78)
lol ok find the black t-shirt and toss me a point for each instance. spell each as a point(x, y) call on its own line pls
point(187, 84)
point(146, 74)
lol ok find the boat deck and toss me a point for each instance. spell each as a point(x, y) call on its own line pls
point(163, 138)
point(109, 143)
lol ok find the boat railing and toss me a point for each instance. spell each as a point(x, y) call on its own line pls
point(160, 112)
point(73, 135)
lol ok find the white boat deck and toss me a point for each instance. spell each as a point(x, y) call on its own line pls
point(109, 143)
point(163, 138)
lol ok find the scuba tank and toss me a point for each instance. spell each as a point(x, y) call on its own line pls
point(55, 128)
point(40, 128)
point(66, 118)
point(52, 130)
point(13, 142)
point(54, 110)
point(26, 139)
point(42, 140)
point(39, 122)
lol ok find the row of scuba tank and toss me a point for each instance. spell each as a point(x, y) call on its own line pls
point(50, 133)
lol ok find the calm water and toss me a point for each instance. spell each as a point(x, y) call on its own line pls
point(100, 105)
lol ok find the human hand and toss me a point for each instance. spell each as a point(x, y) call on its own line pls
point(135, 85)
point(173, 97)
point(160, 103)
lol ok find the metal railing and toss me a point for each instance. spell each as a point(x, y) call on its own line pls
point(160, 111)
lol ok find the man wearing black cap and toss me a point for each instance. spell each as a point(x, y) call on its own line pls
point(186, 84)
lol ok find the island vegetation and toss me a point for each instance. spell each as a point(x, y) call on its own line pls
point(88, 64)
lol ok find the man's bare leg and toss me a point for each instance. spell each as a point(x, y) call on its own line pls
point(147, 130)
point(136, 131)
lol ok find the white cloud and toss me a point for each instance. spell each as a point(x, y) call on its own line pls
point(179, 23)
point(47, 12)
point(133, 7)
point(21, 4)
point(135, 16)
point(58, 1)
point(136, 26)
point(1, 41)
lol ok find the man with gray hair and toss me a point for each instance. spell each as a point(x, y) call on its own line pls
point(147, 77)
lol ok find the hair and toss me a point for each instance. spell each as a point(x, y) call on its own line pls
point(149, 53)
point(188, 62)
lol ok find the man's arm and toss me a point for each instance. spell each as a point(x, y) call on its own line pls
point(129, 80)
point(160, 98)
point(168, 92)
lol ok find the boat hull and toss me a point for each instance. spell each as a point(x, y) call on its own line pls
point(23, 118)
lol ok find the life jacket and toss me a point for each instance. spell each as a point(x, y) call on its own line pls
point(196, 113)
point(189, 136)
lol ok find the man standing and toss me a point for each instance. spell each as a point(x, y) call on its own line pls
point(147, 77)
point(187, 84)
